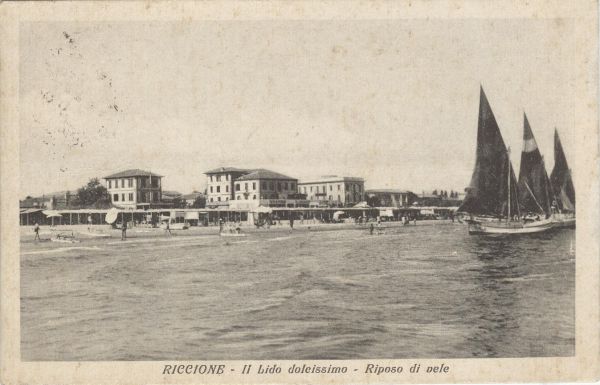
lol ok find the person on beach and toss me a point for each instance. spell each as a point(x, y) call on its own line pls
point(36, 229)
point(220, 225)
point(292, 223)
point(124, 230)
point(89, 219)
point(371, 228)
point(168, 228)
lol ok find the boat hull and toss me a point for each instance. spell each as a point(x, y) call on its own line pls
point(564, 221)
point(506, 228)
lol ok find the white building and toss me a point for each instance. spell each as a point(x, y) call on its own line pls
point(134, 188)
point(266, 188)
point(333, 190)
point(219, 190)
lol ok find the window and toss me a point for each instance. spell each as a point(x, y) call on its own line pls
point(254, 197)
point(116, 198)
point(310, 188)
point(292, 186)
point(131, 196)
point(211, 178)
point(253, 185)
point(324, 189)
point(218, 178)
point(278, 186)
point(211, 199)
point(270, 185)
point(218, 189)
point(227, 188)
point(285, 185)
point(227, 177)
point(122, 197)
point(237, 187)
point(339, 199)
point(264, 185)
point(219, 199)
point(339, 187)
point(330, 198)
point(109, 183)
point(130, 184)
point(123, 183)
point(246, 186)
point(211, 191)
point(330, 187)
point(304, 188)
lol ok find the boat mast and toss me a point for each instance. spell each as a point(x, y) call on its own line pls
point(508, 162)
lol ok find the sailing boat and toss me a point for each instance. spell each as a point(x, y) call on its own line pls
point(562, 185)
point(535, 191)
point(492, 196)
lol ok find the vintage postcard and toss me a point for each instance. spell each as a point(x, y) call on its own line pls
point(299, 192)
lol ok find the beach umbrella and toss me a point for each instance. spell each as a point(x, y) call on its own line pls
point(337, 214)
point(111, 216)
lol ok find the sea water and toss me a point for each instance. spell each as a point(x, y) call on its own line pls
point(410, 292)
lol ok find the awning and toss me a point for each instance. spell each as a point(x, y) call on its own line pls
point(31, 211)
point(262, 209)
point(192, 215)
point(52, 213)
point(386, 213)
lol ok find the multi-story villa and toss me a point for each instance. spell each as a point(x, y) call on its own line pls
point(333, 190)
point(219, 190)
point(134, 189)
point(266, 188)
point(390, 198)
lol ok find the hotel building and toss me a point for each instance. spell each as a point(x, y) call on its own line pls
point(219, 189)
point(134, 189)
point(266, 188)
point(333, 190)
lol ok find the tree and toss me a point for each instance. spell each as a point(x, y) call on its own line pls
point(93, 194)
point(179, 203)
point(199, 202)
point(435, 192)
point(373, 201)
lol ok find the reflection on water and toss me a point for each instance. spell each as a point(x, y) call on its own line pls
point(418, 292)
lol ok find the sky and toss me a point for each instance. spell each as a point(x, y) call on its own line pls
point(392, 101)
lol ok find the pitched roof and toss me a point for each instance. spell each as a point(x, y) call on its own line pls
point(132, 172)
point(332, 178)
point(387, 191)
point(171, 193)
point(226, 169)
point(264, 174)
point(193, 195)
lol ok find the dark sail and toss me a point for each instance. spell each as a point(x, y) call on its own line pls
point(562, 184)
point(535, 193)
point(488, 192)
